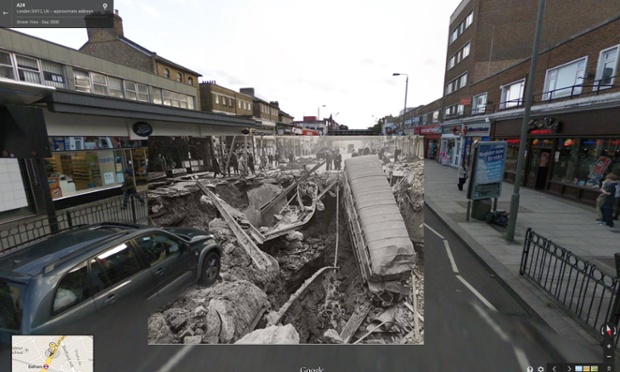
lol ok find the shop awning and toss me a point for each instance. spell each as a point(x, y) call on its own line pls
point(88, 104)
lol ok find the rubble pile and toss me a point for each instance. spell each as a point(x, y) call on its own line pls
point(333, 308)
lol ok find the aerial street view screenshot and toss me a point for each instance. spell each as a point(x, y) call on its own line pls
point(318, 186)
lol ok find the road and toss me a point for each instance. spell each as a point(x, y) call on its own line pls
point(472, 323)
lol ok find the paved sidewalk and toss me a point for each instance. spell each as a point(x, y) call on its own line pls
point(568, 224)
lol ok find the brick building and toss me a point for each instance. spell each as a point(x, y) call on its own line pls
point(112, 45)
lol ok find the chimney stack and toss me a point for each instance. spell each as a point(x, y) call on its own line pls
point(248, 91)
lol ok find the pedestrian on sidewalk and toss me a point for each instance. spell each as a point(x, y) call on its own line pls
point(129, 188)
point(612, 189)
point(462, 175)
point(599, 201)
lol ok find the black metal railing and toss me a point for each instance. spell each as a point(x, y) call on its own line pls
point(579, 287)
point(19, 234)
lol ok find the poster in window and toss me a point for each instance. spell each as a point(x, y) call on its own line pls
point(108, 178)
point(544, 159)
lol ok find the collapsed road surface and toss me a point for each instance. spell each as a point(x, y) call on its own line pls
point(289, 270)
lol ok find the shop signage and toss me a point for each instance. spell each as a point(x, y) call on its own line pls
point(456, 130)
point(435, 129)
point(598, 168)
point(479, 130)
point(142, 129)
point(543, 126)
point(487, 170)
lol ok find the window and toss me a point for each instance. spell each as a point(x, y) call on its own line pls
point(156, 96)
point(217, 99)
point(456, 84)
point(190, 81)
point(512, 95)
point(175, 98)
point(157, 247)
point(28, 70)
point(100, 84)
point(115, 87)
point(179, 77)
point(183, 101)
point(168, 97)
point(135, 91)
point(454, 35)
point(190, 102)
point(606, 70)
point(112, 267)
point(435, 116)
point(451, 62)
point(82, 81)
point(565, 80)
point(167, 73)
point(223, 101)
point(469, 20)
point(53, 74)
point(454, 110)
point(479, 105)
point(466, 50)
point(72, 289)
point(6, 66)
point(425, 119)
point(239, 104)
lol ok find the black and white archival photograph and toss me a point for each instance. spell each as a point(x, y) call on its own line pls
point(294, 239)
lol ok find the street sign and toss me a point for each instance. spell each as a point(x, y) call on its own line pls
point(487, 173)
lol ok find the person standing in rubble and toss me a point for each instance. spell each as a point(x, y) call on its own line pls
point(270, 158)
point(328, 160)
point(277, 158)
point(251, 163)
point(338, 160)
point(234, 164)
point(243, 165)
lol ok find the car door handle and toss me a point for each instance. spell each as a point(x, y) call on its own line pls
point(110, 299)
point(160, 271)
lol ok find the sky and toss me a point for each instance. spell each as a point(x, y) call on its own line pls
point(304, 54)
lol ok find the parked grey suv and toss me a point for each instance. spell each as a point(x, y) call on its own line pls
point(101, 278)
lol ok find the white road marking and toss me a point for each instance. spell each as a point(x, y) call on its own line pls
point(475, 292)
point(519, 353)
point(175, 359)
point(450, 257)
point(435, 232)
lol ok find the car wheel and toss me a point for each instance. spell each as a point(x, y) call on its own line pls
point(210, 269)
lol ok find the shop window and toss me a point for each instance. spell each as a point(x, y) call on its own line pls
point(82, 81)
point(565, 80)
point(28, 70)
point(607, 66)
point(6, 66)
point(585, 162)
point(512, 95)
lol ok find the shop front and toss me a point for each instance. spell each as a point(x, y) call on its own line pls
point(432, 138)
point(451, 145)
point(81, 165)
point(566, 154)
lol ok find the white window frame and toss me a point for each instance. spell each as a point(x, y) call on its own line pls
point(10, 67)
point(113, 91)
point(217, 99)
point(30, 70)
point(103, 86)
point(552, 74)
point(58, 79)
point(85, 76)
point(452, 62)
point(479, 108)
point(504, 89)
point(599, 68)
point(190, 103)
point(156, 96)
point(435, 116)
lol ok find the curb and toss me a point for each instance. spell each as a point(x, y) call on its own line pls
point(524, 292)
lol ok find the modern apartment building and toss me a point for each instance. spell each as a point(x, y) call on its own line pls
point(573, 134)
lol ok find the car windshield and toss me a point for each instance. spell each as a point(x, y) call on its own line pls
point(10, 305)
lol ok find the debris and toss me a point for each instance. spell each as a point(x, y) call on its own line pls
point(295, 235)
point(192, 340)
point(354, 323)
point(272, 335)
point(274, 317)
point(332, 337)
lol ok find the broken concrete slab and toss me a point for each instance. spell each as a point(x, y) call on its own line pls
point(158, 330)
point(283, 335)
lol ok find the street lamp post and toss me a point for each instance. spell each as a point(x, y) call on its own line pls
point(406, 90)
point(514, 200)
point(318, 116)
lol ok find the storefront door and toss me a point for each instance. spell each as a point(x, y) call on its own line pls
point(538, 168)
